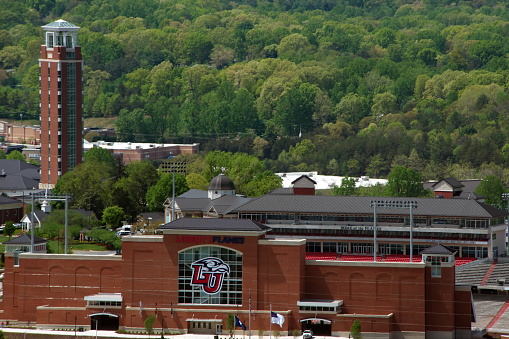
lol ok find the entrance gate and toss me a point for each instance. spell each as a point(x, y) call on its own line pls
point(319, 326)
point(104, 321)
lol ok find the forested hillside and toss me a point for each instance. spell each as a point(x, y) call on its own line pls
point(344, 87)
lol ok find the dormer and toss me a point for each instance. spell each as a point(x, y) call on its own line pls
point(438, 257)
point(447, 188)
point(303, 185)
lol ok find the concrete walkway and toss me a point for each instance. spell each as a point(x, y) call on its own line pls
point(113, 334)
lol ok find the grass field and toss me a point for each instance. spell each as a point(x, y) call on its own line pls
point(58, 247)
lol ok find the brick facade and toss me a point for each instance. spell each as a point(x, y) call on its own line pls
point(397, 299)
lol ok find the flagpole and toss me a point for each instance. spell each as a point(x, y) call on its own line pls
point(270, 323)
point(249, 324)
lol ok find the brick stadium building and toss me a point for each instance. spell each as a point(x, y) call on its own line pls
point(198, 271)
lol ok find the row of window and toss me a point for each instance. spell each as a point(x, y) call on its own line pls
point(355, 232)
point(293, 218)
point(387, 249)
point(317, 308)
point(104, 303)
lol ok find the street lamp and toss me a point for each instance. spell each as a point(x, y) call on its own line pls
point(393, 204)
point(148, 223)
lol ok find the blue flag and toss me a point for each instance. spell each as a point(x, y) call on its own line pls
point(239, 323)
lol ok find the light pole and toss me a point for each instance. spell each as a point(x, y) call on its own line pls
point(50, 197)
point(148, 223)
point(505, 197)
point(394, 204)
point(96, 325)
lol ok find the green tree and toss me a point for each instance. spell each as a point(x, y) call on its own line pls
point(90, 185)
point(9, 228)
point(404, 182)
point(105, 236)
point(355, 330)
point(130, 191)
point(230, 324)
point(149, 323)
point(262, 184)
point(163, 189)
point(383, 104)
point(352, 108)
point(347, 187)
point(197, 181)
point(492, 188)
point(15, 155)
point(295, 47)
point(99, 154)
point(113, 216)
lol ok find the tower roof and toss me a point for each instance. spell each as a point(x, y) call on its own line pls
point(60, 25)
point(221, 183)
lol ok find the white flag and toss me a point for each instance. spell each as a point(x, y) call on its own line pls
point(276, 318)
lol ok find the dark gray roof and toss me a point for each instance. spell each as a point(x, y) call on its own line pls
point(194, 194)
point(18, 175)
point(40, 215)
point(83, 212)
point(199, 204)
point(226, 204)
point(153, 215)
point(438, 249)
point(9, 166)
point(8, 201)
point(281, 190)
point(18, 183)
point(361, 205)
point(222, 205)
point(25, 239)
point(215, 224)
point(221, 183)
point(469, 195)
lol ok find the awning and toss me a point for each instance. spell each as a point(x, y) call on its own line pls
point(104, 297)
point(205, 320)
point(317, 320)
point(320, 303)
point(108, 314)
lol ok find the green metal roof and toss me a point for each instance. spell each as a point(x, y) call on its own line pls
point(60, 25)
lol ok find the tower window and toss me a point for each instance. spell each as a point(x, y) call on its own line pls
point(50, 40)
point(68, 41)
point(60, 40)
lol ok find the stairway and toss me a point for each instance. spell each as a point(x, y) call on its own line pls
point(487, 276)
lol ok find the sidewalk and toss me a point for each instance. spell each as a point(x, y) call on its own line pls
point(113, 334)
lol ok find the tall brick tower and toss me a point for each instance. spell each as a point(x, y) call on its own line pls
point(61, 69)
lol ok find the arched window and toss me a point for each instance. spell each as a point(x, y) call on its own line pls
point(210, 275)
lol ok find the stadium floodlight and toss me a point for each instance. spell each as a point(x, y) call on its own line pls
point(393, 204)
point(505, 197)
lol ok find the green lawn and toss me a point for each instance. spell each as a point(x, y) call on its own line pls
point(58, 247)
point(3, 238)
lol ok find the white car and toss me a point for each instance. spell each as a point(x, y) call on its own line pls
point(307, 334)
point(123, 233)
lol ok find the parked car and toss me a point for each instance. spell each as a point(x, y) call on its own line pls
point(307, 334)
point(122, 233)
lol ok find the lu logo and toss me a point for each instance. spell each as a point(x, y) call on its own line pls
point(209, 274)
